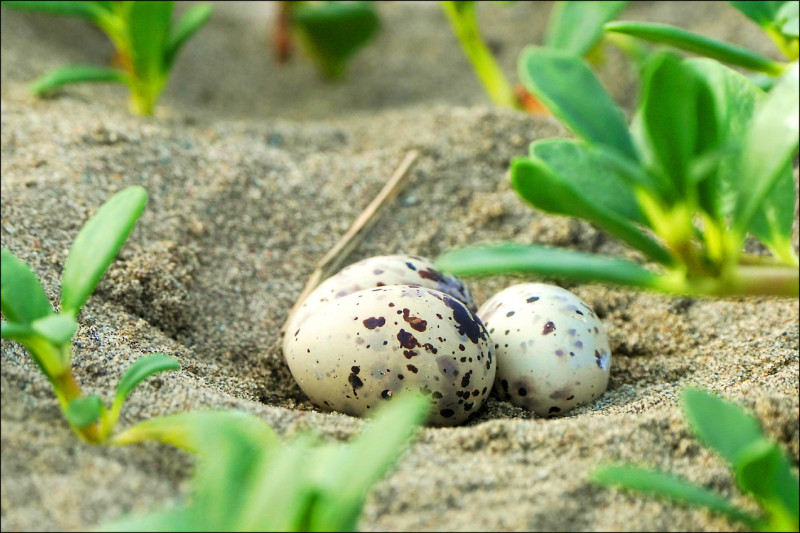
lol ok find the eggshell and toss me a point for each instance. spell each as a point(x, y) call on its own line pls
point(364, 348)
point(378, 271)
point(551, 348)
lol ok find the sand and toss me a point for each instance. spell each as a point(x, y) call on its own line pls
point(253, 172)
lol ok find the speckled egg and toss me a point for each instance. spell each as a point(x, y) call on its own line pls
point(364, 348)
point(379, 271)
point(551, 348)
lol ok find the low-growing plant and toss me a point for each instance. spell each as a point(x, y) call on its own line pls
point(706, 162)
point(47, 335)
point(330, 33)
point(247, 480)
point(576, 27)
point(760, 467)
point(779, 20)
point(145, 40)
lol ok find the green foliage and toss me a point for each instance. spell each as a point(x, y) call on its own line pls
point(246, 480)
point(47, 335)
point(332, 32)
point(706, 161)
point(760, 466)
point(463, 19)
point(577, 27)
point(697, 44)
point(146, 45)
point(779, 20)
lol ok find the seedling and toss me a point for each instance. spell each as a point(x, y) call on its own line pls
point(760, 467)
point(330, 33)
point(576, 27)
point(779, 20)
point(146, 43)
point(707, 161)
point(246, 480)
point(47, 335)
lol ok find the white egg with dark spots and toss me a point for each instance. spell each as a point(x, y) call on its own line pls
point(378, 271)
point(363, 349)
point(551, 348)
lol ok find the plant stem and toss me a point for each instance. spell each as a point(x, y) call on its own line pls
point(464, 21)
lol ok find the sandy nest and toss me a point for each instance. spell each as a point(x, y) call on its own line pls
point(253, 173)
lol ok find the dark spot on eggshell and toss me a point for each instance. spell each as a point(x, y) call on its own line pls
point(355, 382)
point(468, 406)
point(377, 271)
point(468, 324)
point(407, 340)
point(504, 384)
point(401, 376)
point(465, 379)
point(554, 409)
point(412, 368)
point(522, 391)
point(461, 347)
point(532, 299)
point(559, 352)
point(561, 394)
point(447, 413)
point(409, 353)
point(386, 395)
point(549, 327)
point(414, 321)
point(447, 366)
point(410, 265)
point(437, 395)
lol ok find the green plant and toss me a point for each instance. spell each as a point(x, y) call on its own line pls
point(146, 43)
point(576, 27)
point(760, 467)
point(330, 33)
point(247, 480)
point(47, 335)
point(779, 20)
point(706, 161)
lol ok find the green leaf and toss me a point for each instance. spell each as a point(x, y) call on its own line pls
point(191, 21)
point(678, 117)
point(764, 471)
point(148, 31)
point(283, 480)
point(669, 486)
point(22, 297)
point(697, 44)
point(545, 261)
point(84, 410)
point(97, 244)
point(735, 100)
point(772, 223)
point(762, 12)
point(721, 425)
point(58, 329)
point(788, 19)
point(586, 168)
point(141, 370)
point(365, 462)
point(233, 449)
point(578, 26)
point(178, 520)
point(770, 145)
point(542, 187)
point(89, 10)
point(189, 431)
point(570, 90)
point(333, 32)
point(15, 331)
point(76, 74)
